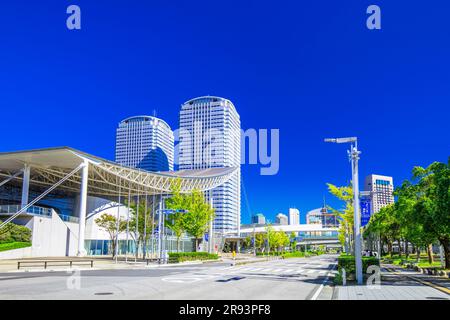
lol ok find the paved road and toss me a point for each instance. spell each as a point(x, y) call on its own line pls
point(278, 279)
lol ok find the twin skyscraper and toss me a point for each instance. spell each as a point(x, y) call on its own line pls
point(208, 137)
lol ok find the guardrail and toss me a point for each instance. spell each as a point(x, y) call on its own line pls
point(46, 263)
point(69, 218)
point(35, 210)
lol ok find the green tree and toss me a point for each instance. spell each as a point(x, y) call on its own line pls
point(109, 223)
point(141, 215)
point(198, 216)
point(434, 202)
point(345, 214)
point(292, 237)
point(176, 221)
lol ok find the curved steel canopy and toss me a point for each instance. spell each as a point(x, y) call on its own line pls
point(106, 178)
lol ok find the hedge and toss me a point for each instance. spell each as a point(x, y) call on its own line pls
point(296, 254)
point(347, 262)
point(14, 245)
point(175, 257)
point(15, 233)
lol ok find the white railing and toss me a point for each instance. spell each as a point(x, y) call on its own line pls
point(35, 210)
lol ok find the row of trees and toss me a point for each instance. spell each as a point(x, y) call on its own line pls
point(421, 214)
point(271, 239)
point(191, 215)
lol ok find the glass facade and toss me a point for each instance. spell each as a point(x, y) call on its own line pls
point(103, 247)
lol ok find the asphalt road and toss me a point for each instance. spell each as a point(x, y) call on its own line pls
point(278, 279)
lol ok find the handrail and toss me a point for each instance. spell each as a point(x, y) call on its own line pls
point(25, 208)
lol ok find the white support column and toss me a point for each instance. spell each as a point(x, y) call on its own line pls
point(82, 208)
point(25, 185)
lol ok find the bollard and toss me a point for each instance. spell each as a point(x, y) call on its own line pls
point(344, 277)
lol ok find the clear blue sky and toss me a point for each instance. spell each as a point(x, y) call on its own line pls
point(310, 68)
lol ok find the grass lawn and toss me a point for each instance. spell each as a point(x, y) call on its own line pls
point(423, 261)
point(13, 245)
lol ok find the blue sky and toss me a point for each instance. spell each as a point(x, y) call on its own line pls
point(310, 68)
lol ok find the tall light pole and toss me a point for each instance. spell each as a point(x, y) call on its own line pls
point(353, 154)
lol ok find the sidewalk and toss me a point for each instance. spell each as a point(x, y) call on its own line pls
point(105, 263)
point(398, 284)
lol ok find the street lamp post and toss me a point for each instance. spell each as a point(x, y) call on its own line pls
point(353, 154)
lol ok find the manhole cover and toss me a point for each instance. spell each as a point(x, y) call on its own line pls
point(103, 293)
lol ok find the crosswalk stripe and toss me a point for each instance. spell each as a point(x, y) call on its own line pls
point(322, 272)
point(300, 270)
point(310, 271)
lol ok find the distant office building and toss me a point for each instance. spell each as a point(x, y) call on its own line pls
point(210, 138)
point(294, 216)
point(145, 142)
point(381, 190)
point(323, 217)
point(259, 219)
point(281, 219)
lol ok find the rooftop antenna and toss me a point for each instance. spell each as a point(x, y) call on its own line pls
point(154, 113)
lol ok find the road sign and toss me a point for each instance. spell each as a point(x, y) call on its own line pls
point(365, 212)
point(206, 237)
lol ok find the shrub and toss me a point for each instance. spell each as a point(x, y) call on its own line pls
point(348, 263)
point(296, 254)
point(272, 253)
point(175, 257)
point(15, 233)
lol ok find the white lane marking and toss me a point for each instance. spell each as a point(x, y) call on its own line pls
point(316, 294)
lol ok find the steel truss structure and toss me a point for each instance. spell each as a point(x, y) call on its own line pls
point(105, 178)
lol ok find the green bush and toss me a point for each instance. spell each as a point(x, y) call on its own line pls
point(348, 263)
point(272, 253)
point(175, 257)
point(15, 233)
point(14, 245)
point(296, 254)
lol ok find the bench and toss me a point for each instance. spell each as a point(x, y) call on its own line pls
point(58, 262)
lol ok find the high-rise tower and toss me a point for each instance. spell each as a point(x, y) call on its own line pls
point(210, 138)
point(145, 142)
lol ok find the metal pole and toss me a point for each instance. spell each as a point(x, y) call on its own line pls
point(354, 153)
point(159, 230)
point(128, 223)
point(145, 228)
point(254, 240)
point(137, 228)
point(211, 237)
point(118, 222)
point(153, 226)
point(441, 254)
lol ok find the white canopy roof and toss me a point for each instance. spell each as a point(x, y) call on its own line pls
point(106, 178)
